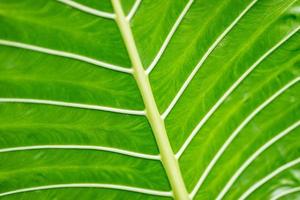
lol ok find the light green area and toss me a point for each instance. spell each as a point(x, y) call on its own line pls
point(27, 74)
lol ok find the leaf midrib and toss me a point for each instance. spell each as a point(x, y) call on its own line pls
point(168, 158)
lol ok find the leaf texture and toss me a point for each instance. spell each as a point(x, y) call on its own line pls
point(141, 99)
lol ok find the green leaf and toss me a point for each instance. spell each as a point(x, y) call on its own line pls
point(143, 99)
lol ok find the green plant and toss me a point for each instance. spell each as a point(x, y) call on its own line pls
point(173, 99)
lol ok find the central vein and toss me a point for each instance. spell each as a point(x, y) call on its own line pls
point(168, 159)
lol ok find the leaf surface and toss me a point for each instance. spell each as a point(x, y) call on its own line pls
point(124, 99)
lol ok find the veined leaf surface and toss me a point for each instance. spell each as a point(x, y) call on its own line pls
point(172, 99)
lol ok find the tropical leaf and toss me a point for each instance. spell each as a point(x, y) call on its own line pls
point(149, 99)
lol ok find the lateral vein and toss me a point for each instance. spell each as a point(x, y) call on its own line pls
point(82, 147)
point(64, 54)
point(90, 185)
point(73, 105)
point(88, 9)
point(169, 37)
point(133, 10)
point(285, 193)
